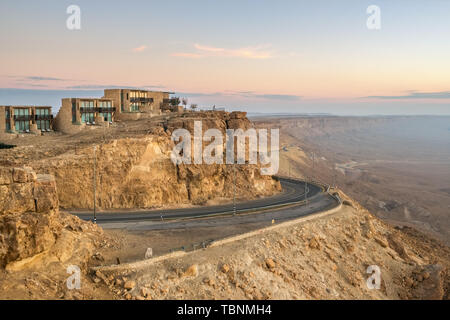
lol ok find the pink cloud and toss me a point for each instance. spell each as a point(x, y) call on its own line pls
point(257, 52)
point(139, 49)
point(187, 55)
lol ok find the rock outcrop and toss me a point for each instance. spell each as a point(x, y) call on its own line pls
point(30, 221)
point(137, 172)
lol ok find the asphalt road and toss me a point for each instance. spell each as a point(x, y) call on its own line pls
point(247, 212)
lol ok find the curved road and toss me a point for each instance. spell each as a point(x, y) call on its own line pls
point(284, 206)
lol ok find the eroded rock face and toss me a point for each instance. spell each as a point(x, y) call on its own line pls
point(138, 172)
point(31, 225)
point(28, 204)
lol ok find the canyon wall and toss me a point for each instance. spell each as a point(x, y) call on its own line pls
point(317, 126)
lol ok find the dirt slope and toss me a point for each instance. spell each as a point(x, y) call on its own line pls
point(324, 258)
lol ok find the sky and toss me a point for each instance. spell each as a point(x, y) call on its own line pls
point(258, 56)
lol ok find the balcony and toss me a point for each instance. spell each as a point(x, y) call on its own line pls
point(106, 110)
point(141, 100)
point(43, 117)
point(172, 101)
point(23, 117)
point(87, 109)
point(99, 110)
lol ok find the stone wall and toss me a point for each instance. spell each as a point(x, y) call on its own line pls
point(63, 120)
point(2, 121)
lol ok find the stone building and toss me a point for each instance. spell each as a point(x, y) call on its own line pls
point(25, 119)
point(133, 104)
point(77, 113)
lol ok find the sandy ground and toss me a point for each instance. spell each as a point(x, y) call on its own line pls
point(325, 258)
point(134, 244)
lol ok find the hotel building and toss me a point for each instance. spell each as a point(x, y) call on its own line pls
point(25, 119)
point(76, 113)
point(133, 104)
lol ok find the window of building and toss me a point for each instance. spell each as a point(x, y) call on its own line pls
point(107, 116)
point(43, 124)
point(134, 107)
point(42, 112)
point(88, 117)
point(21, 112)
point(22, 126)
point(74, 112)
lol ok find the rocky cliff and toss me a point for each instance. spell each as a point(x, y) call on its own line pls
point(137, 172)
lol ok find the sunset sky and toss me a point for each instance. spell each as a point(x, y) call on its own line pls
point(259, 56)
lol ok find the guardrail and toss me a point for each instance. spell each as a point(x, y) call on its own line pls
point(193, 246)
point(325, 188)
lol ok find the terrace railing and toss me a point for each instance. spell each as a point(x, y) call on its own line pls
point(106, 110)
point(43, 117)
point(23, 117)
point(93, 110)
point(141, 100)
